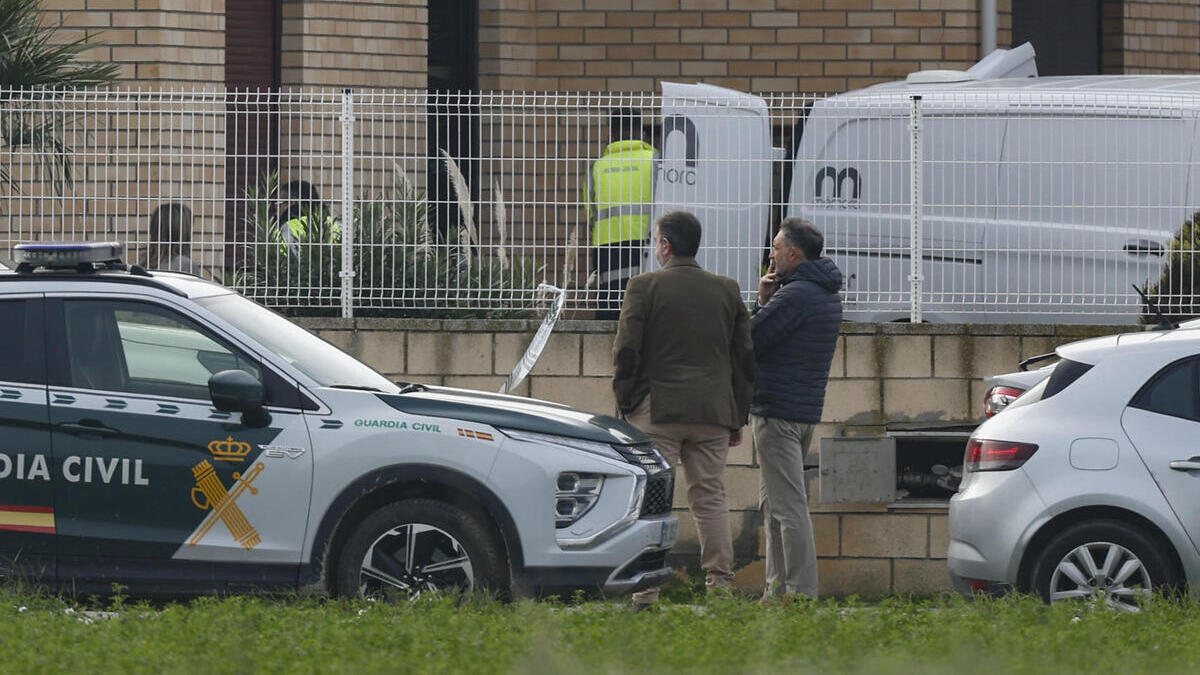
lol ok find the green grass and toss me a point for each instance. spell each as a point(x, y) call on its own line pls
point(948, 634)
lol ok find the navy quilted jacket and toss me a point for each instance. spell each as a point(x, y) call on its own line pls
point(795, 335)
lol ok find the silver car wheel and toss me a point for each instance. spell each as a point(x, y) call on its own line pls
point(1101, 572)
point(413, 559)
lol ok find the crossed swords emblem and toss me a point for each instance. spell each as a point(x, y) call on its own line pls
point(223, 503)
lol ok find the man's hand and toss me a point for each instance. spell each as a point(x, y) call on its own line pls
point(735, 438)
point(767, 285)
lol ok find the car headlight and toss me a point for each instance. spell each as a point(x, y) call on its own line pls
point(574, 495)
point(594, 447)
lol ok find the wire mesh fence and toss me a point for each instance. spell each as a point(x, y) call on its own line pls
point(1032, 205)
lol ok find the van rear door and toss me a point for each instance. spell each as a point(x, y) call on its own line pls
point(1090, 198)
point(716, 161)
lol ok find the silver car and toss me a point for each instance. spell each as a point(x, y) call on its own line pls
point(1088, 486)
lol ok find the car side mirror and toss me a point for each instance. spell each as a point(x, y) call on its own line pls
point(236, 391)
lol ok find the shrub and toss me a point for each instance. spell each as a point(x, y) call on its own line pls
point(400, 270)
point(1175, 292)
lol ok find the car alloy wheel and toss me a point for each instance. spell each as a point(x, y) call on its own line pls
point(418, 546)
point(415, 558)
point(1101, 572)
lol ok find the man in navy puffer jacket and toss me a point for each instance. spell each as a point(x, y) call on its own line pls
point(795, 327)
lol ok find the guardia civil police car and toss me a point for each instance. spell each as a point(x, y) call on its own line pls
point(162, 432)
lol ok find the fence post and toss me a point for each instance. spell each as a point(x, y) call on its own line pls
point(347, 271)
point(916, 204)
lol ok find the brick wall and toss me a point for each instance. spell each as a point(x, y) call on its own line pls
point(158, 43)
point(612, 45)
point(163, 45)
point(881, 374)
point(761, 45)
point(1160, 36)
point(354, 43)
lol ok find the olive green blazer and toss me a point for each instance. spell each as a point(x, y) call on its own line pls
point(684, 339)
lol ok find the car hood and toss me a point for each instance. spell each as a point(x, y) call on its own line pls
point(515, 412)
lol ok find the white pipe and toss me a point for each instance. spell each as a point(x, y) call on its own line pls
point(987, 27)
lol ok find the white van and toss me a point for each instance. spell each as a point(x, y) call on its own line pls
point(1044, 199)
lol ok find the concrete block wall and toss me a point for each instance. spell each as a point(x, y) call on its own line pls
point(881, 373)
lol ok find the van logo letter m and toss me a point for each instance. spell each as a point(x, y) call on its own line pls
point(839, 179)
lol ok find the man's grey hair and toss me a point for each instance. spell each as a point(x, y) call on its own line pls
point(801, 234)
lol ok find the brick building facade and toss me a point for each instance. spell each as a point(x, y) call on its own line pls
point(610, 45)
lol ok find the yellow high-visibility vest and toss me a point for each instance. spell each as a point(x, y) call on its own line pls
point(296, 231)
point(620, 193)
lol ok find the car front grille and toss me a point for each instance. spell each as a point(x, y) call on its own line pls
point(660, 492)
point(660, 483)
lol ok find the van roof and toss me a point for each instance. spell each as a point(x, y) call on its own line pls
point(1180, 90)
point(1186, 85)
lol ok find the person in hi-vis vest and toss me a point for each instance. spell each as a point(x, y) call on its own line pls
point(619, 196)
point(305, 219)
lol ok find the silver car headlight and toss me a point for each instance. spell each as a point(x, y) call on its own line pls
point(575, 494)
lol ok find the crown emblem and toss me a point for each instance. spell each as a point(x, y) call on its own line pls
point(229, 450)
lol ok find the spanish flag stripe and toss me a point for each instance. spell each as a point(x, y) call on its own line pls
point(28, 528)
point(27, 509)
point(41, 520)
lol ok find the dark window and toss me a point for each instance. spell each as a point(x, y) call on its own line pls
point(1065, 373)
point(1171, 392)
point(21, 358)
point(1065, 34)
point(453, 125)
point(142, 349)
point(252, 63)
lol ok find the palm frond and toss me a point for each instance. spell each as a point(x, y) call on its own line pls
point(466, 210)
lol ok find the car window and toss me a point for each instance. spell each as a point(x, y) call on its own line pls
point(20, 360)
point(1171, 392)
point(327, 365)
point(143, 349)
point(1065, 373)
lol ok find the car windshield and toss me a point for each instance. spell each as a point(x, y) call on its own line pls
point(316, 358)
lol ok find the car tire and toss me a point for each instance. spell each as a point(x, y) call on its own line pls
point(417, 546)
point(1103, 560)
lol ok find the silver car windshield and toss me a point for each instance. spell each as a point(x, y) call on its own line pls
point(316, 358)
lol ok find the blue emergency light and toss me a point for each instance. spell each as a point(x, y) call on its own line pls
point(66, 254)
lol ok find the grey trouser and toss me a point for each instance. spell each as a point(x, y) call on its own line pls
point(701, 450)
point(791, 551)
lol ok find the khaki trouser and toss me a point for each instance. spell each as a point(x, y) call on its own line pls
point(781, 446)
point(701, 450)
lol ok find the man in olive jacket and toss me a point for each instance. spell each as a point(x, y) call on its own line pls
point(684, 374)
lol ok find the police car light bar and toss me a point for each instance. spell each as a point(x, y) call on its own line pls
point(67, 254)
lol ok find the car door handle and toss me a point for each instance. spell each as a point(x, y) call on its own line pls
point(1143, 247)
point(88, 428)
point(1192, 464)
